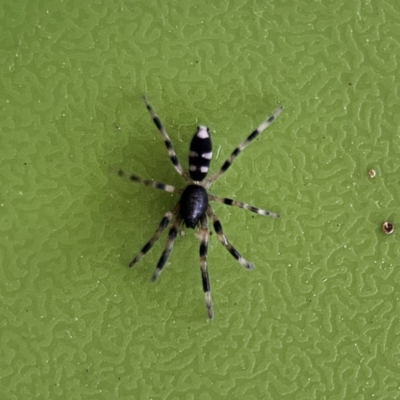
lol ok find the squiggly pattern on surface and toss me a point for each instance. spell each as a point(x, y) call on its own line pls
point(318, 318)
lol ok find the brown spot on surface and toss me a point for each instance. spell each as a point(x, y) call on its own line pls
point(387, 227)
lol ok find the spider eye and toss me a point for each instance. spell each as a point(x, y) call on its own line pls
point(200, 154)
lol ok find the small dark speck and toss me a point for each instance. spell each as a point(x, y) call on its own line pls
point(25, 163)
point(387, 227)
point(350, 84)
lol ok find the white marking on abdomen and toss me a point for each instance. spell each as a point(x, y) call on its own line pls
point(202, 133)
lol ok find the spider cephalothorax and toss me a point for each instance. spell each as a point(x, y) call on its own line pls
point(193, 207)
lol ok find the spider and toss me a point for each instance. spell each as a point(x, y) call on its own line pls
point(193, 207)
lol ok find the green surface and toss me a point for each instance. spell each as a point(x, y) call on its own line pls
point(319, 316)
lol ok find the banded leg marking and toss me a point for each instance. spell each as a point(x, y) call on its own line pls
point(173, 232)
point(147, 182)
point(222, 238)
point(204, 234)
point(162, 225)
point(264, 125)
point(235, 203)
point(167, 140)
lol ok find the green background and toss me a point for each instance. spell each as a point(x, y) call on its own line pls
point(319, 316)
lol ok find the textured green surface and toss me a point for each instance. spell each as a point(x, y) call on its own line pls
point(319, 316)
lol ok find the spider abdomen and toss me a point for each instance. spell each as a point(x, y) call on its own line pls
point(200, 154)
point(193, 204)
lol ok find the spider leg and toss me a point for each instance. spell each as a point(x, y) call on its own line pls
point(222, 238)
point(203, 264)
point(168, 248)
point(235, 203)
point(264, 125)
point(163, 224)
point(167, 140)
point(147, 182)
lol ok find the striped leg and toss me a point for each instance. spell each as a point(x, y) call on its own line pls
point(242, 146)
point(203, 264)
point(167, 140)
point(235, 203)
point(222, 238)
point(168, 248)
point(147, 182)
point(163, 224)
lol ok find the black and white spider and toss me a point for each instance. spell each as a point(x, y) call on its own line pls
point(193, 207)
